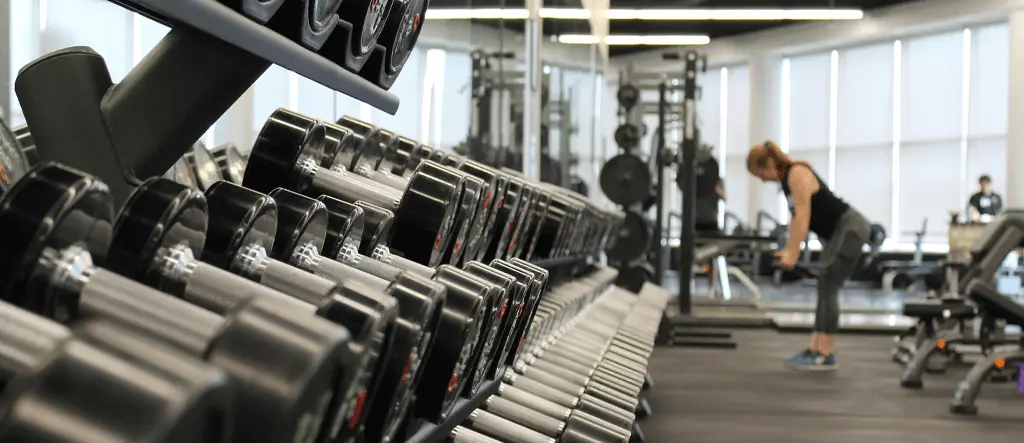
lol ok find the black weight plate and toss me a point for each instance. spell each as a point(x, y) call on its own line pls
point(159, 214)
point(377, 227)
point(367, 18)
point(634, 239)
point(628, 96)
point(287, 139)
point(51, 208)
point(401, 32)
point(627, 136)
point(204, 166)
point(301, 221)
point(345, 226)
point(239, 217)
point(230, 162)
point(633, 277)
point(626, 180)
point(13, 164)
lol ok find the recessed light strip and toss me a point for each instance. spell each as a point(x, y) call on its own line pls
point(647, 14)
point(635, 40)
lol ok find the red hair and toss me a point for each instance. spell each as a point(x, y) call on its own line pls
point(759, 155)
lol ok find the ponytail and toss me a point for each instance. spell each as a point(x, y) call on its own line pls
point(758, 157)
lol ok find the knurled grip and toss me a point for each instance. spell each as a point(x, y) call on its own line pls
point(26, 341)
point(187, 327)
point(378, 269)
point(220, 291)
point(343, 274)
point(297, 283)
point(503, 429)
point(465, 435)
point(543, 405)
point(525, 416)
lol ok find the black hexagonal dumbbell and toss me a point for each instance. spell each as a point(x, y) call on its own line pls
point(477, 287)
point(162, 231)
point(507, 318)
point(363, 149)
point(99, 373)
point(287, 154)
point(301, 233)
point(60, 221)
point(241, 237)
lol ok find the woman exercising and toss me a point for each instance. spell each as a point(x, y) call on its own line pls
point(842, 230)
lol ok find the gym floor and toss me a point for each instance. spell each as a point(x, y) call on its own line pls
point(746, 395)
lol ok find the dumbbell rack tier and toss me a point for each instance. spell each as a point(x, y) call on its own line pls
point(141, 127)
point(559, 269)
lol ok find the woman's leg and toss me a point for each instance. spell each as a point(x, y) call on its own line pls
point(839, 260)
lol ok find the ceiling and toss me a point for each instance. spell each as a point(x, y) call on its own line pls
point(713, 29)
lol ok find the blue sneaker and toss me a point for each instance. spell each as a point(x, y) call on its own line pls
point(812, 361)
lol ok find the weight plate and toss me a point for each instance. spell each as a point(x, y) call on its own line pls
point(628, 96)
point(230, 162)
point(159, 215)
point(27, 143)
point(627, 136)
point(204, 166)
point(634, 239)
point(322, 12)
point(46, 211)
point(13, 164)
point(633, 277)
point(625, 179)
point(401, 33)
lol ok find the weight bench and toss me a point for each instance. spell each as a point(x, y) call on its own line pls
point(935, 318)
point(995, 306)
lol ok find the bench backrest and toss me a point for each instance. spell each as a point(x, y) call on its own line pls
point(997, 305)
point(1004, 234)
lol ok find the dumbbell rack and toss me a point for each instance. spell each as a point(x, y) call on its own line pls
point(141, 127)
point(560, 269)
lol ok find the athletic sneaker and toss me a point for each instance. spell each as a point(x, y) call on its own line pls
point(812, 361)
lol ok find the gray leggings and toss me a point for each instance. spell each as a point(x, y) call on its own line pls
point(840, 256)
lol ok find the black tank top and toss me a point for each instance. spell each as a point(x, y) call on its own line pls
point(826, 208)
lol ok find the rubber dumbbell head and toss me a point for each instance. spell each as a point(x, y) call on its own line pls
point(47, 367)
point(302, 232)
point(243, 225)
point(287, 154)
point(62, 282)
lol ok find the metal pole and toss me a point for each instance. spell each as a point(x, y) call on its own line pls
point(688, 172)
point(532, 91)
point(659, 251)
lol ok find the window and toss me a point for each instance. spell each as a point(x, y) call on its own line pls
point(989, 83)
point(99, 24)
point(930, 148)
point(808, 123)
point(273, 90)
point(864, 130)
point(733, 158)
point(409, 88)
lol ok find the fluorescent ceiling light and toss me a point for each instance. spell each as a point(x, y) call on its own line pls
point(734, 14)
point(477, 14)
point(507, 14)
point(636, 40)
point(647, 14)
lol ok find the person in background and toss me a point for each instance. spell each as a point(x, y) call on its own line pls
point(984, 204)
point(842, 230)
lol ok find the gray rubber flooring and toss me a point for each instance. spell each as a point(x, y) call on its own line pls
point(746, 395)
